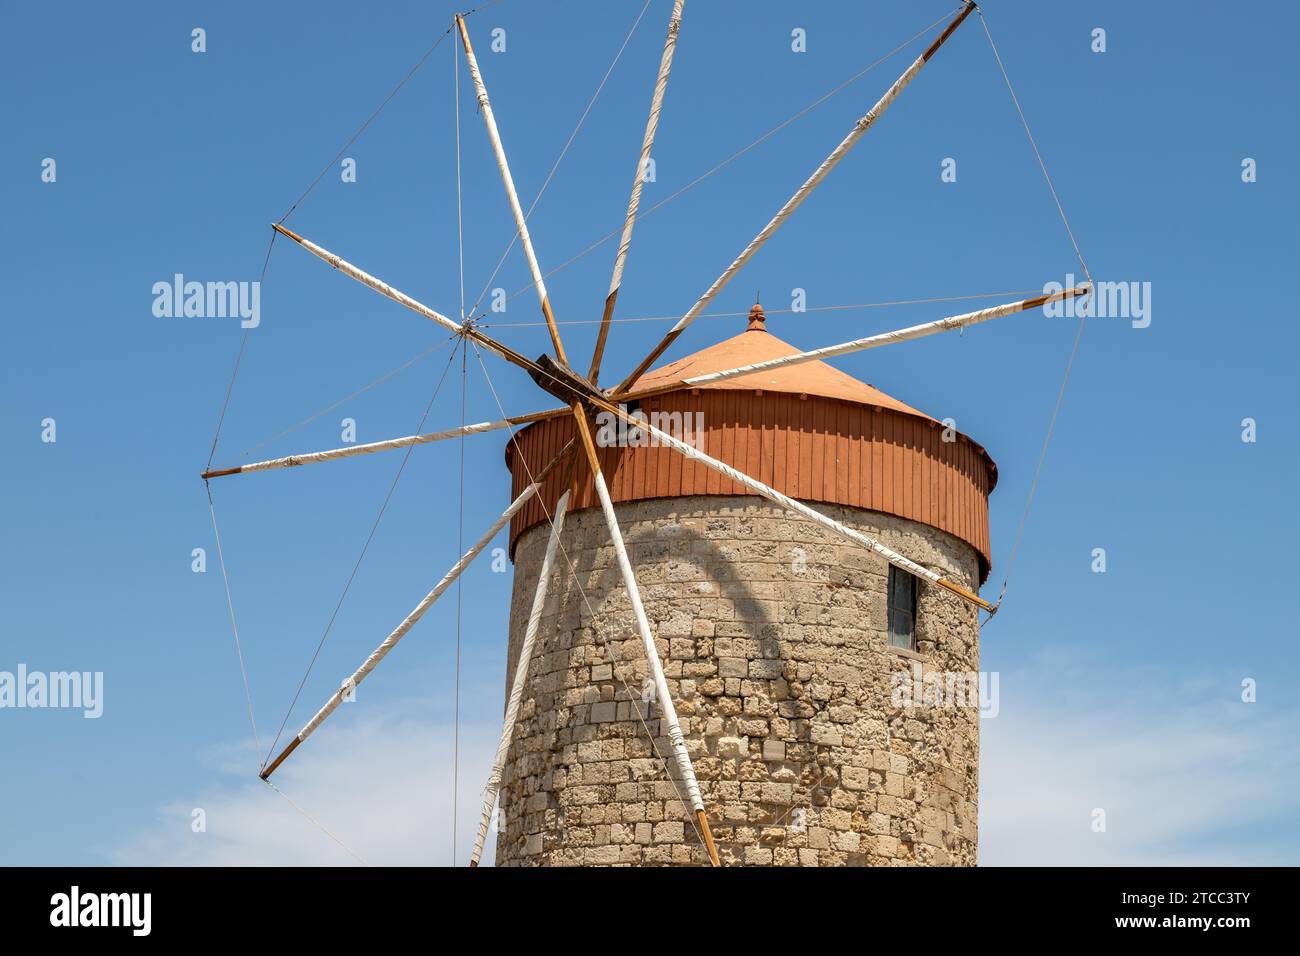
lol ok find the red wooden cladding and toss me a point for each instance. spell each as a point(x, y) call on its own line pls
point(810, 448)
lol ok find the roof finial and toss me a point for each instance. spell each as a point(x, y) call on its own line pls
point(756, 318)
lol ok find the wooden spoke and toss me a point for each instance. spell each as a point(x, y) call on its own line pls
point(521, 675)
point(638, 181)
point(663, 698)
point(402, 629)
point(794, 202)
point(771, 494)
point(858, 345)
point(401, 298)
point(521, 225)
point(582, 397)
point(348, 451)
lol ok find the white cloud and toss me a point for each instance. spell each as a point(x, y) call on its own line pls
point(1186, 774)
point(381, 783)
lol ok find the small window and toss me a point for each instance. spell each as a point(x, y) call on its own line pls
point(902, 609)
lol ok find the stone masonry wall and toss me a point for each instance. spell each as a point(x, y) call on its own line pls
point(773, 637)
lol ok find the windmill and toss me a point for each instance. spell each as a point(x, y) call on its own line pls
point(576, 467)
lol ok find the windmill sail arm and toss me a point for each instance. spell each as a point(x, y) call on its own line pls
point(794, 202)
point(512, 195)
point(399, 632)
point(349, 451)
point(771, 494)
point(401, 298)
point(638, 183)
point(869, 342)
point(663, 698)
point(521, 674)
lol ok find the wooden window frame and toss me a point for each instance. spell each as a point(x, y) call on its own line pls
point(896, 580)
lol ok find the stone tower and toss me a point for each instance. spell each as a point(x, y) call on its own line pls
point(794, 657)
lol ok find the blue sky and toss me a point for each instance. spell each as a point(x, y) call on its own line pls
point(1119, 691)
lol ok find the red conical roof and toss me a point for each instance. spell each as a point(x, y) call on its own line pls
point(756, 344)
point(809, 430)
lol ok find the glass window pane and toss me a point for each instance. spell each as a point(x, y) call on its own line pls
point(900, 629)
point(901, 609)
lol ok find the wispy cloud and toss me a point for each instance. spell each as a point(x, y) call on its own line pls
point(1186, 774)
point(381, 783)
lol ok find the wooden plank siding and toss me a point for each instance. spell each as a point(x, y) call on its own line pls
point(819, 450)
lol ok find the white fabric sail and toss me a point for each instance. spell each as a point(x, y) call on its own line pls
point(647, 143)
point(401, 298)
point(794, 202)
point(401, 630)
point(771, 494)
point(521, 221)
point(886, 338)
point(803, 192)
point(348, 451)
point(663, 699)
point(365, 278)
point(638, 183)
point(521, 675)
